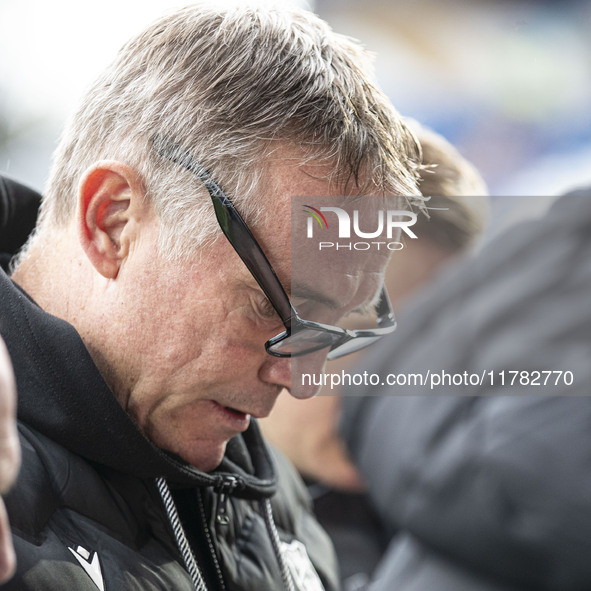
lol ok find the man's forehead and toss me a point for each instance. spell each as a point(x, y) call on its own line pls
point(304, 269)
point(337, 285)
point(289, 170)
point(295, 191)
point(341, 245)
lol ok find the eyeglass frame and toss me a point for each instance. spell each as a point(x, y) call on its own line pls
point(250, 252)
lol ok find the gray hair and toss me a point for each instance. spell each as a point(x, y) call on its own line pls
point(230, 85)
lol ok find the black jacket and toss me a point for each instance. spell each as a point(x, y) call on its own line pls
point(86, 510)
point(491, 490)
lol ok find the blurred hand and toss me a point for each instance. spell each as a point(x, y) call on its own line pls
point(9, 458)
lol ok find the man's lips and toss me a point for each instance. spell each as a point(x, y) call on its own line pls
point(233, 417)
point(259, 413)
point(236, 412)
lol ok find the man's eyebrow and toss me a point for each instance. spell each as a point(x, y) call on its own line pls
point(308, 292)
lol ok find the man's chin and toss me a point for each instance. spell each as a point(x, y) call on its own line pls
point(205, 456)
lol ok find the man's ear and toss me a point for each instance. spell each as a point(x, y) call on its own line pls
point(110, 198)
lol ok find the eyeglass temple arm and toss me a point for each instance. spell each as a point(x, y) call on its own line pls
point(254, 258)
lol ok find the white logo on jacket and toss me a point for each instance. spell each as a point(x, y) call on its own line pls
point(300, 566)
point(91, 566)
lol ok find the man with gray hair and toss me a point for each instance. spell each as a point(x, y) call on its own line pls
point(143, 346)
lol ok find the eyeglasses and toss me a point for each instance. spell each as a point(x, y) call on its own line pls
point(300, 336)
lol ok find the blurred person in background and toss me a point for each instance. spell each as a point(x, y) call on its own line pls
point(307, 431)
point(9, 458)
point(18, 212)
point(487, 484)
point(19, 206)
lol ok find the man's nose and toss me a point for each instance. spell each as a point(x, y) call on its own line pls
point(276, 371)
point(301, 376)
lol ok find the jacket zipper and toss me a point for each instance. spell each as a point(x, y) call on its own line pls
point(209, 539)
point(224, 489)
